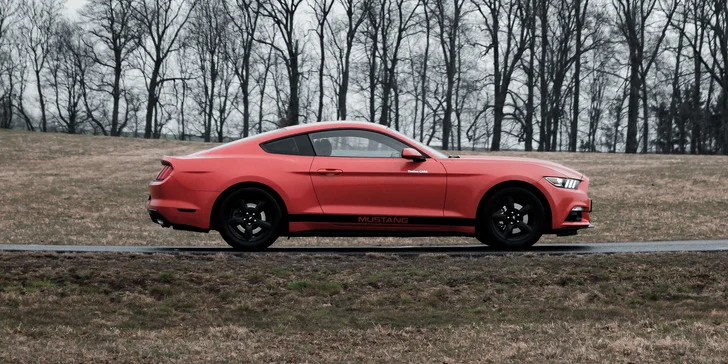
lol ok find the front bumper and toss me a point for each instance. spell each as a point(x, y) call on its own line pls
point(570, 209)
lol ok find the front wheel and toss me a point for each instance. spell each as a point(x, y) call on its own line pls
point(249, 219)
point(513, 218)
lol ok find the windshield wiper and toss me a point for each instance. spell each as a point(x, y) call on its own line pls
point(453, 156)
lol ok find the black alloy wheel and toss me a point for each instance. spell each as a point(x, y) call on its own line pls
point(513, 218)
point(250, 219)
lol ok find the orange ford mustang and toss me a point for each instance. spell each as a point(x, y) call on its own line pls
point(362, 179)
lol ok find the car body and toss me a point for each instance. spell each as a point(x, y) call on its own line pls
point(363, 179)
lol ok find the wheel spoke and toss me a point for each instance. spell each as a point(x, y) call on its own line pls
point(248, 231)
point(524, 227)
point(235, 221)
point(526, 209)
point(243, 205)
point(509, 231)
point(262, 224)
point(259, 207)
point(498, 216)
point(510, 205)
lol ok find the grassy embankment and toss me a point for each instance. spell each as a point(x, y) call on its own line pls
point(61, 189)
point(144, 308)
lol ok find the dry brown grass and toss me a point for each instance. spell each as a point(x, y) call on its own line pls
point(276, 308)
point(60, 189)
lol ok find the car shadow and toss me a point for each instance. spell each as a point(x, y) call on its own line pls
point(446, 249)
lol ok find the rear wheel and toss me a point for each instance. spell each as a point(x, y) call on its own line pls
point(513, 218)
point(250, 219)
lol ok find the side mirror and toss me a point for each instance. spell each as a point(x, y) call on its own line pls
point(412, 154)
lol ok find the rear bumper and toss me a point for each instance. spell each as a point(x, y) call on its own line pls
point(170, 204)
point(158, 218)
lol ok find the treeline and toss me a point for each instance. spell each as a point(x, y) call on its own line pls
point(552, 75)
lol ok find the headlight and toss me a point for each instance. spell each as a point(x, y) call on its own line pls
point(567, 183)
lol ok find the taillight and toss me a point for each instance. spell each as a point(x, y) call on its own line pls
point(166, 171)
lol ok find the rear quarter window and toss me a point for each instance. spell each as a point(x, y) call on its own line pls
point(295, 145)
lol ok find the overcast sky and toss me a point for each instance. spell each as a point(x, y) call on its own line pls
point(73, 5)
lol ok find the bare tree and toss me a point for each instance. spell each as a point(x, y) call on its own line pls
point(37, 30)
point(67, 67)
point(266, 60)
point(397, 20)
point(162, 22)
point(210, 40)
point(181, 88)
point(634, 18)
point(244, 16)
point(321, 10)
point(561, 55)
point(580, 17)
point(698, 10)
point(530, 70)
point(354, 17)
point(507, 29)
point(10, 62)
point(374, 11)
point(714, 20)
point(449, 18)
point(282, 13)
point(113, 37)
point(423, 76)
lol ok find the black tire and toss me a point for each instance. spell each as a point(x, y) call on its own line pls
point(513, 218)
point(250, 219)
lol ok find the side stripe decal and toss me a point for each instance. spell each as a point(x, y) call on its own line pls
point(383, 220)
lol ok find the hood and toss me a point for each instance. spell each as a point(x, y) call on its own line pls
point(559, 170)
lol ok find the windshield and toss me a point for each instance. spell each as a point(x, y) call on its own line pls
point(428, 149)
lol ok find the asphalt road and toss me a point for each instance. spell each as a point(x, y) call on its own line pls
point(553, 249)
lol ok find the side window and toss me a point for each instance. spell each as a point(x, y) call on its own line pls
point(356, 143)
point(295, 145)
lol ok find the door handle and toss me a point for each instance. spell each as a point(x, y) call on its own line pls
point(330, 171)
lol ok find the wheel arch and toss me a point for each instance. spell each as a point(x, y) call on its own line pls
point(519, 184)
point(220, 198)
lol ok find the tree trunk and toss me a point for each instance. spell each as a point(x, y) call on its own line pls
point(577, 80)
point(211, 100)
point(500, 101)
point(447, 117)
point(116, 96)
point(697, 116)
point(544, 142)
point(396, 106)
point(151, 103)
point(246, 96)
point(320, 109)
point(41, 99)
point(293, 103)
point(645, 119)
point(344, 88)
point(183, 122)
point(423, 76)
point(530, 83)
point(633, 103)
point(675, 101)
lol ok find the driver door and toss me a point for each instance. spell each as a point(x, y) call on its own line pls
point(361, 173)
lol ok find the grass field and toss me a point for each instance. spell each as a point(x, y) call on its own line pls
point(630, 308)
point(61, 189)
point(143, 308)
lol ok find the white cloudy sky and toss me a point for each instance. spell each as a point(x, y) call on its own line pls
point(73, 5)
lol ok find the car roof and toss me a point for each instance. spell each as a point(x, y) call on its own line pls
point(324, 125)
point(314, 127)
point(292, 130)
